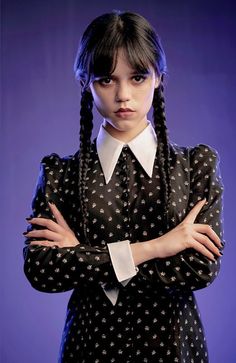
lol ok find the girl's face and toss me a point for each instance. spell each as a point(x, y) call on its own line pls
point(124, 99)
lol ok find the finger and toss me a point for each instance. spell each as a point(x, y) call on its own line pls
point(43, 233)
point(45, 222)
point(205, 228)
point(201, 238)
point(45, 243)
point(59, 217)
point(202, 249)
point(190, 218)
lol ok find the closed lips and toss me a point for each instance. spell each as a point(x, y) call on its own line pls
point(124, 110)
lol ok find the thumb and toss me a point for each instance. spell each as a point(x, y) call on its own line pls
point(192, 215)
point(59, 217)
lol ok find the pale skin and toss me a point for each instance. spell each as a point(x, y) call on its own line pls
point(127, 89)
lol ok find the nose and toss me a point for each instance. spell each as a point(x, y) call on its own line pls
point(123, 92)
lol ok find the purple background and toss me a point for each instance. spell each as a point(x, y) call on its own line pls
point(40, 115)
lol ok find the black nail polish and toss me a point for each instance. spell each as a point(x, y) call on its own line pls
point(28, 218)
point(51, 201)
point(24, 233)
point(221, 253)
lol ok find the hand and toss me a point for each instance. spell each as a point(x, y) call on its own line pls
point(56, 233)
point(188, 234)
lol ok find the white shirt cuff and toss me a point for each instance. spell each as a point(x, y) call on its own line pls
point(122, 261)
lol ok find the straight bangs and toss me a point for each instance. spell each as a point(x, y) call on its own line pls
point(104, 58)
point(103, 61)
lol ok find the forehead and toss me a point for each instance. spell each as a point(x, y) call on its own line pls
point(122, 65)
point(121, 62)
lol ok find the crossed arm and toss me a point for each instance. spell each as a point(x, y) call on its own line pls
point(200, 237)
point(188, 255)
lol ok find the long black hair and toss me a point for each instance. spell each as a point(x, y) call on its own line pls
point(97, 56)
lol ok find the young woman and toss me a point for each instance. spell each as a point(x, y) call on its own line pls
point(131, 223)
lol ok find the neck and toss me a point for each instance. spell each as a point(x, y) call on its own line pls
point(126, 135)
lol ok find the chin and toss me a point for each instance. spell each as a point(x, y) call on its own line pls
point(124, 128)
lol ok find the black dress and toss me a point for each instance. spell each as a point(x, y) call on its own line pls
point(156, 318)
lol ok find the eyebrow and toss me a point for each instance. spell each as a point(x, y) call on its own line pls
point(133, 73)
point(140, 72)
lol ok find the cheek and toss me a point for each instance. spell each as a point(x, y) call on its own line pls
point(147, 91)
point(145, 99)
point(100, 103)
point(96, 99)
point(100, 99)
point(146, 96)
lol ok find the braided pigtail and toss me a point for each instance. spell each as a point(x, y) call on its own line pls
point(86, 127)
point(159, 120)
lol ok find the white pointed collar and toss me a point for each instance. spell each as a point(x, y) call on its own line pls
point(143, 146)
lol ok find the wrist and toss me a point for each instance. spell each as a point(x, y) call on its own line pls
point(142, 251)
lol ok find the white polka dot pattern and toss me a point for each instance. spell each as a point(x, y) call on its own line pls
point(156, 317)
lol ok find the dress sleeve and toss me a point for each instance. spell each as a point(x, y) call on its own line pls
point(54, 269)
point(190, 269)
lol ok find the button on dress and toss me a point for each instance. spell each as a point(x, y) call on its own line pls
point(155, 318)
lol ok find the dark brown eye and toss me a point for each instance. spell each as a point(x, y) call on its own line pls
point(139, 78)
point(105, 81)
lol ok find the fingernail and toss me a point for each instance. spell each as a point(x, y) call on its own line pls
point(28, 218)
point(221, 253)
point(24, 233)
point(51, 202)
